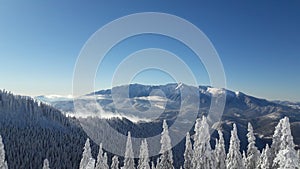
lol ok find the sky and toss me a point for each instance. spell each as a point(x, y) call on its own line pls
point(258, 43)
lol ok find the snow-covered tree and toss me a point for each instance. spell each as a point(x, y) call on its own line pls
point(264, 161)
point(166, 158)
point(253, 153)
point(105, 161)
point(220, 153)
point(287, 156)
point(234, 158)
point(188, 153)
point(86, 155)
point(91, 164)
point(46, 164)
point(153, 165)
point(129, 156)
point(144, 156)
point(202, 155)
point(101, 161)
point(244, 156)
point(115, 163)
point(276, 140)
point(3, 163)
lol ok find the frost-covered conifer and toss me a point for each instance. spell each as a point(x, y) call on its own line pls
point(287, 156)
point(220, 153)
point(276, 140)
point(166, 158)
point(101, 161)
point(153, 165)
point(86, 155)
point(129, 156)
point(188, 153)
point(45, 165)
point(253, 154)
point(144, 156)
point(91, 164)
point(234, 158)
point(264, 161)
point(202, 152)
point(3, 163)
point(115, 163)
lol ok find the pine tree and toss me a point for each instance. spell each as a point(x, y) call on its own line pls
point(144, 156)
point(253, 154)
point(166, 158)
point(129, 157)
point(202, 154)
point(234, 158)
point(46, 164)
point(264, 161)
point(220, 152)
point(86, 155)
point(287, 156)
point(101, 161)
point(188, 153)
point(115, 163)
point(3, 163)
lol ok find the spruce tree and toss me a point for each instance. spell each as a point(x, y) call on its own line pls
point(144, 156)
point(202, 153)
point(287, 156)
point(166, 158)
point(234, 158)
point(188, 153)
point(101, 161)
point(276, 140)
point(91, 164)
point(115, 163)
point(264, 161)
point(220, 152)
point(86, 155)
point(46, 164)
point(253, 154)
point(153, 165)
point(3, 163)
point(129, 156)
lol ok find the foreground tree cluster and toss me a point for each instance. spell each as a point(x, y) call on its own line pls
point(199, 155)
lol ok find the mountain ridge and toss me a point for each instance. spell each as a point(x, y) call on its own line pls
point(240, 108)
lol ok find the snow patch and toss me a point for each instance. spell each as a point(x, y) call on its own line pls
point(152, 98)
point(215, 91)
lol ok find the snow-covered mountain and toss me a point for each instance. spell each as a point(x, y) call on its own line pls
point(164, 101)
point(57, 137)
point(295, 105)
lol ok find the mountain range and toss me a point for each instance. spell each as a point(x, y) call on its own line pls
point(165, 102)
point(49, 127)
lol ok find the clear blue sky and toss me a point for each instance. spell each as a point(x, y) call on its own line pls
point(257, 41)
